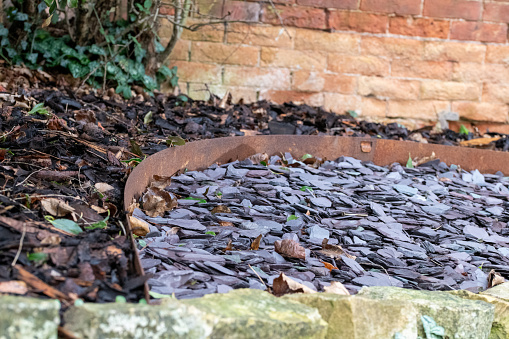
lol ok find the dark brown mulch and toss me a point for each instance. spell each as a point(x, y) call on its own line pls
point(80, 156)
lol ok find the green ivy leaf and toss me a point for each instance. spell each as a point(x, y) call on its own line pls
point(4, 32)
point(37, 257)
point(158, 47)
point(464, 130)
point(306, 188)
point(292, 217)
point(125, 90)
point(211, 233)
point(32, 57)
point(65, 225)
point(200, 201)
point(147, 4)
point(100, 224)
point(175, 141)
point(306, 156)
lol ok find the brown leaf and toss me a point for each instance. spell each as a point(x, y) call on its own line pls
point(220, 209)
point(139, 227)
point(103, 187)
point(157, 201)
point(334, 251)
point(52, 240)
point(229, 246)
point(160, 181)
point(328, 266)
point(284, 285)
point(337, 288)
point(290, 248)
point(38, 284)
point(255, 245)
point(421, 160)
point(495, 279)
point(56, 207)
point(259, 157)
point(479, 141)
point(225, 223)
point(14, 287)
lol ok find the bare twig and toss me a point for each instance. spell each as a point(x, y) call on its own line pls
point(20, 245)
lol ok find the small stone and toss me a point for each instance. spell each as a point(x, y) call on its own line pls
point(321, 202)
point(318, 232)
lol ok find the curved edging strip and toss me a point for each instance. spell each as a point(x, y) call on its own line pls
point(201, 154)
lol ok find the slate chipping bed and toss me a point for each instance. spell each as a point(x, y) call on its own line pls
point(432, 227)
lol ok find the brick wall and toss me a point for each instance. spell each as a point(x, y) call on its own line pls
point(384, 59)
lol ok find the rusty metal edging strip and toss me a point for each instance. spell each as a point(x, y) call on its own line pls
point(201, 154)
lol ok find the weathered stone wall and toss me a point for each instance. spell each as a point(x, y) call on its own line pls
point(383, 59)
point(376, 312)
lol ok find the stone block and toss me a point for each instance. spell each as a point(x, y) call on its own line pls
point(466, 319)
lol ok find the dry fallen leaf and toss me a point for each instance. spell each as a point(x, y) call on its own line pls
point(160, 181)
point(417, 161)
point(255, 245)
point(328, 266)
point(157, 201)
point(225, 223)
point(52, 240)
point(284, 285)
point(229, 246)
point(14, 287)
point(220, 209)
point(259, 157)
point(334, 251)
point(337, 288)
point(139, 227)
point(290, 248)
point(479, 141)
point(495, 279)
point(103, 187)
point(56, 207)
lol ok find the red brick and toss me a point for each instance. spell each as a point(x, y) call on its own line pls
point(495, 93)
point(393, 48)
point(342, 4)
point(372, 107)
point(340, 104)
point(259, 35)
point(166, 10)
point(481, 111)
point(304, 17)
point(318, 82)
point(389, 88)
point(234, 10)
point(274, 78)
point(402, 7)
point(416, 109)
point(280, 97)
point(358, 64)
point(497, 54)
point(197, 72)
point(357, 21)
point(462, 9)
point(288, 58)
point(307, 39)
point(496, 12)
point(219, 53)
point(478, 31)
point(454, 51)
point(425, 27)
point(491, 73)
point(439, 70)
